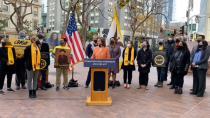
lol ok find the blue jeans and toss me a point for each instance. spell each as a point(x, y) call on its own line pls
point(161, 73)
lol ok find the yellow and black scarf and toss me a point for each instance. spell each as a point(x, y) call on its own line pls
point(35, 58)
point(10, 54)
point(126, 56)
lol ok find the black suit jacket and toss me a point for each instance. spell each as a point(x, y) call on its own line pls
point(45, 48)
point(63, 60)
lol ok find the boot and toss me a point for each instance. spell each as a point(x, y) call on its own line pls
point(113, 85)
point(176, 90)
point(179, 90)
point(157, 84)
point(160, 84)
point(34, 94)
point(30, 94)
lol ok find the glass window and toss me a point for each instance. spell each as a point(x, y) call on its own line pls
point(36, 0)
point(35, 11)
point(35, 22)
point(5, 7)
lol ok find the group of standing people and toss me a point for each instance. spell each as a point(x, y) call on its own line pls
point(178, 59)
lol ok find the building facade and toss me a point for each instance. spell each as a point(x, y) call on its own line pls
point(35, 17)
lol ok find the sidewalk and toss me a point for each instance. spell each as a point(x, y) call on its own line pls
point(127, 103)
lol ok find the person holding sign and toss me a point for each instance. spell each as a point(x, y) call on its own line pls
point(32, 59)
point(115, 52)
point(128, 65)
point(44, 49)
point(179, 64)
point(161, 70)
point(7, 64)
point(61, 63)
point(144, 60)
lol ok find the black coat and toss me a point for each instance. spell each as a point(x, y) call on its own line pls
point(184, 63)
point(45, 48)
point(129, 67)
point(27, 58)
point(4, 68)
point(169, 45)
point(144, 57)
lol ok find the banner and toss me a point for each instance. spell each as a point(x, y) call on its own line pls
point(19, 45)
point(62, 58)
point(43, 62)
point(53, 39)
point(159, 58)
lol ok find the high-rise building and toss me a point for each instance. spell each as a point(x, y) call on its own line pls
point(7, 10)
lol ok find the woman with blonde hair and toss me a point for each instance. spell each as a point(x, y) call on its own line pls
point(32, 59)
point(7, 64)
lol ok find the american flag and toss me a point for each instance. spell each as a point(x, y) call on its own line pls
point(74, 41)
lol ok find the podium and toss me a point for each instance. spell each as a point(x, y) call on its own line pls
point(99, 81)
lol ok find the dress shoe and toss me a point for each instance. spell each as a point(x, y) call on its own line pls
point(34, 93)
point(169, 83)
point(172, 87)
point(43, 88)
point(160, 84)
point(192, 93)
point(9, 89)
point(139, 87)
point(24, 87)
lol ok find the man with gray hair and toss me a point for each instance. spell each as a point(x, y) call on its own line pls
point(21, 35)
point(89, 52)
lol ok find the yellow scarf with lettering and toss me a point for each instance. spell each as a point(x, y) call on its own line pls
point(35, 58)
point(10, 54)
point(126, 56)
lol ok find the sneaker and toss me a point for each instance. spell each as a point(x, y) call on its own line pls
point(24, 87)
point(65, 87)
point(157, 84)
point(17, 88)
point(9, 89)
point(2, 92)
point(57, 88)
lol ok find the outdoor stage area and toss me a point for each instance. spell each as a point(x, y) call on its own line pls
point(126, 103)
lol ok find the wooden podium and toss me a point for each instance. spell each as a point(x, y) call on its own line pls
point(99, 81)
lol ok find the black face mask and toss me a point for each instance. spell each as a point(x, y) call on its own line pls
point(100, 45)
point(3, 44)
point(160, 43)
point(112, 42)
point(200, 46)
point(180, 47)
point(198, 41)
point(37, 42)
point(61, 43)
point(95, 41)
point(177, 41)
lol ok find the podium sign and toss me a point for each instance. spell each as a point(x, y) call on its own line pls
point(99, 81)
point(159, 58)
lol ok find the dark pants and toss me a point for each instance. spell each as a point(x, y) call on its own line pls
point(178, 79)
point(143, 79)
point(43, 80)
point(9, 80)
point(161, 74)
point(173, 78)
point(20, 73)
point(127, 74)
point(88, 77)
point(199, 81)
point(166, 70)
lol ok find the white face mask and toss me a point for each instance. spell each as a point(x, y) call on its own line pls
point(41, 40)
point(169, 39)
point(128, 45)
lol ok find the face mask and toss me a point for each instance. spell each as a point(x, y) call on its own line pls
point(3, 44)
point(143, 45)
point(41, 40)
point(95, 41)
point(177, 41)
point(169, 39)
point(37, 42)
point(200, 46)
point(198, 41)
point(128, 45)
point(180, 47)
point(61, 43)
point(100, 45)
point(112, 42)
point(160, 43)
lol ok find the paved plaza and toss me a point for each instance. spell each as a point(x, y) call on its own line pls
point(127, 103)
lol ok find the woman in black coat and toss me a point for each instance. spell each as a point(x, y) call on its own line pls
point(179, 64)
point(144, 60)
point(128, 65)
point(7, 64)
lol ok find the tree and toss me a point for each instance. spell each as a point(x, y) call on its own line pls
point(22, 24)
point(139, 12)
point(81, 11)
point(89, 35)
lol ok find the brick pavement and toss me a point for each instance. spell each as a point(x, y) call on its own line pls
point(132, 103)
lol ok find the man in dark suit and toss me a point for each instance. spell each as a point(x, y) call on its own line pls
point(62, 59)
point(44, 48)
